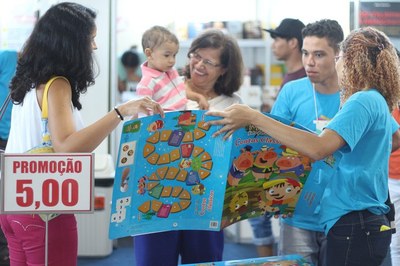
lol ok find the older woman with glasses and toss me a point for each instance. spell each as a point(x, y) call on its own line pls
point(215, 70)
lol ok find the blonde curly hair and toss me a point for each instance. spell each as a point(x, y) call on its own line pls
point(370, 61)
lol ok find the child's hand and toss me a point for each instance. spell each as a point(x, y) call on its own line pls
point(199, 98)
point(203, 103)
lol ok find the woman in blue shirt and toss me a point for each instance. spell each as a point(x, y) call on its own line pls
point(353, 204)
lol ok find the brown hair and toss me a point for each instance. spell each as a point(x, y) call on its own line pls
point(370, 61)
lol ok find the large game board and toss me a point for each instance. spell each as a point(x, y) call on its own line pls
point(288, 260)
point(171, 174)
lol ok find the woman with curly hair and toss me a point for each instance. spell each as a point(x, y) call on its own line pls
point(59, 52)
point(353, 204)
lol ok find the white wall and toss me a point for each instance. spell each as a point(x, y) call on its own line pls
point(134, 17)
point(98, 99)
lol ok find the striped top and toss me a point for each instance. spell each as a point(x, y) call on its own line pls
point(166, 88)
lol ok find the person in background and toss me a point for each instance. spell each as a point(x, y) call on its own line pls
point(215, 70)
point(286, 46)
point(8, 64)
point(352, 208)
point(68, 61)
point(130, 62)
point(160, 80)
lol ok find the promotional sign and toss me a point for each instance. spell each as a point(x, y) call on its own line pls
point(47, 183)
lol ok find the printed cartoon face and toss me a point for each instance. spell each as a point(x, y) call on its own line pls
point(266, 157)
point(244, 161)
point(290, 164)
point(239, 202)
point(185, 163)
point(264, 163)
point(155, 126)
point(283, 190)
point(187, 119)
point(198, 189)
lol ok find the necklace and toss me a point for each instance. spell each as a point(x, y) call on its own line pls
point(315, 102)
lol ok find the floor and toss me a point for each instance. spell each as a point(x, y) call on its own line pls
point(122, 255)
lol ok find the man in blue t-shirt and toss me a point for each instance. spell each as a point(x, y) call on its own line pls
point(311, 101)
point(8, 63)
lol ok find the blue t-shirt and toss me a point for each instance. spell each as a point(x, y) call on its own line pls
point(361, 180)
point(297, 103)
point(8, 64)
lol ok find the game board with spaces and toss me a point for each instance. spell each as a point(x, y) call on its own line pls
point(287, 260)
point(171, 174)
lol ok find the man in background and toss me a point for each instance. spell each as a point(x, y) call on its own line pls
point(8, 63)
point(287, 45)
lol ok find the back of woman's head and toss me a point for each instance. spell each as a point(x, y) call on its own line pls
point(59, 45)
point(231, 59)
point(370, 61)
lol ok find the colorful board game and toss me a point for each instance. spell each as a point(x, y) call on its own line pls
point(288, 260)
point(171, 174)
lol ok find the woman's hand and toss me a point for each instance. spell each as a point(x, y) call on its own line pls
point(143, 105)
point(233, 118)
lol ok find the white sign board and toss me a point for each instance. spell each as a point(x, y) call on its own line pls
point(47, 183)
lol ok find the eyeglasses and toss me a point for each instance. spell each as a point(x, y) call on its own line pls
point(197, 58)
point(337, 58)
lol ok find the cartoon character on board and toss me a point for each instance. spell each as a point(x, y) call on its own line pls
point(187, 118)
point(198, 189)
point(263, 165)
point(185, 163)
point(288, 152)
point(238, 205)
point(290, 164)
point(124, 179)
point(156, 125)
point(142, 185)
point(280, 193)
point(240, 166)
